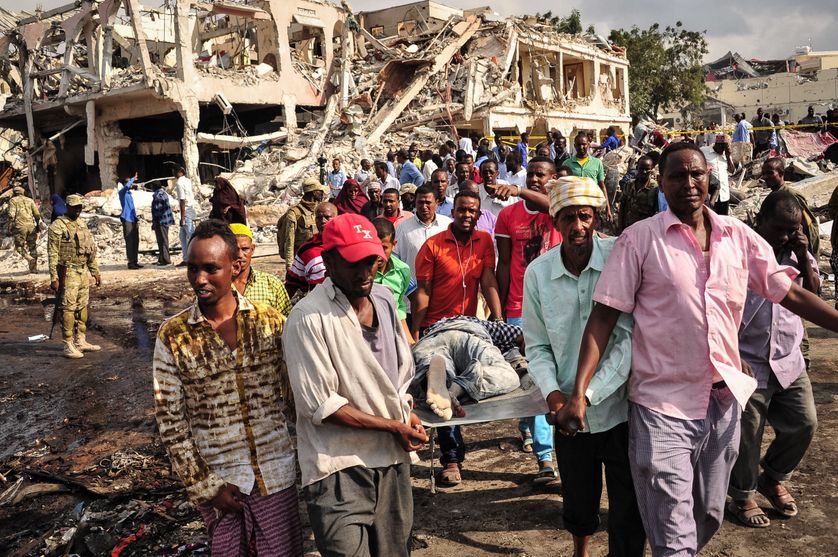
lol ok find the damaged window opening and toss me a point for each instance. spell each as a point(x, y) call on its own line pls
point(308, 54)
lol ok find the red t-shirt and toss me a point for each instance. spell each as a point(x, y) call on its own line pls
point(532, 234)
point(454, 271)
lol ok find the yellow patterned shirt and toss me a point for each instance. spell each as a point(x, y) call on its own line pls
point(220, 411)
point(267, 289)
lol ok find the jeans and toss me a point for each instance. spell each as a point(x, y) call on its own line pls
point(186, 230)
point(791, 413)
point(537, 426)
point(451, 445)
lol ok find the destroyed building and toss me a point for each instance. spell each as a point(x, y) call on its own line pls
point(103, 89)
point(786, 87)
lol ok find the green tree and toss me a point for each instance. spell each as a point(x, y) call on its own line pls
point(572, 24)
point(666, 71)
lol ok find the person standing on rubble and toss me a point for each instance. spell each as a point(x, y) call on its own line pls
point(297, 226)
point(188, 210)
point(741, 148)
point(219, 399)
point(161, 220)
point(409, 173)
point(721, 167)
point(72, 261)
point(130, 223)
point(350, 367)
point(336, 178)
point(762, 132)
point(24, 220)
point(810, 122)
point(684, 275)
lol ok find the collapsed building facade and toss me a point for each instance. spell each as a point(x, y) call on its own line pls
point(103, 89)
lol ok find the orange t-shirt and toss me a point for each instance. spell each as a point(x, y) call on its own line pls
point(448, 266)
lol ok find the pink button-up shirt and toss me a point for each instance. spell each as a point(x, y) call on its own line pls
point(686, 320)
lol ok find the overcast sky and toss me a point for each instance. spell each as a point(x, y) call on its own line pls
point(762, 29)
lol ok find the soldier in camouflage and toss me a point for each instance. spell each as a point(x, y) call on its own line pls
point(72, 260)
point(640, 199)
point(24, 220)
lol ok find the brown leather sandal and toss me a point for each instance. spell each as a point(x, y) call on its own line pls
point(450, 475)
point(747, 516)
point(782, 501)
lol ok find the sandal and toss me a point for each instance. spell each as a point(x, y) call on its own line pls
point(545, 475)
point(782, 501)
point(450, 475)
point(747, 517)
point(526, 442)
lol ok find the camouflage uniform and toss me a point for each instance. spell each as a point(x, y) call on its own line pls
point(24, 218)
point(639, 202)
point(300, 226)
point(71, 246)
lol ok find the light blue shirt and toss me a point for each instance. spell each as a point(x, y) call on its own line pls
point(411, 175)
point(445, 207)
point(662, 204)
point(740, 133)
point(336, 180)
point(557, 305)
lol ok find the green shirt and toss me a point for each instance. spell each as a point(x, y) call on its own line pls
point(557, 305)
point(397, 278)
point(592, 168)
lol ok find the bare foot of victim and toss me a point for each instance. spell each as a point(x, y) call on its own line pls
point(439, 399)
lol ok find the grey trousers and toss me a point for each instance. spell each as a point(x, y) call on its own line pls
point(681, 470)
point(131, 233)
point(362, 512)
point(161, 232)
point(791, 412)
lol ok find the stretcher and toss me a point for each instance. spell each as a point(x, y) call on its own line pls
point(523, 402)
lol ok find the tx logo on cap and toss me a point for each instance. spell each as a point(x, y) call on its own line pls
point(359, 229)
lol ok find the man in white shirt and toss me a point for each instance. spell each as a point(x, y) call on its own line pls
point(412, 233)
point(515, 173)
point(721, 165)
point(186, 200)
point(428, 165)
point(488, 200)
point(383, 174)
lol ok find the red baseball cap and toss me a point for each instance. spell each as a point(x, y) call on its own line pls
point(353, 236)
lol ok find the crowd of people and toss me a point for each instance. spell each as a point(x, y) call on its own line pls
point(661, 352)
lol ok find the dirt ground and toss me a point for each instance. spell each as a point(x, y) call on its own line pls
point(83, 434)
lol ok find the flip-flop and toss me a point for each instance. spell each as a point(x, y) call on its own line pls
point(545, 475)
point(782, 502)
point(450, 476)
point(746, 516)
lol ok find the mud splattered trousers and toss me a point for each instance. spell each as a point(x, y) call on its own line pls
point(76, 298)
point(25, 242)
point(269, 526)
point(681, 470)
